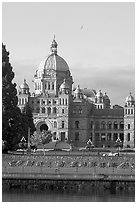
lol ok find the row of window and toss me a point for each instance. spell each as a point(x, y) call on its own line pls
point(103, 125)
point(48, 110)
point(48, 86)
point(22, 101)
point(62, 101)
point(108, 136)
point(109, 125)
point(129, 111)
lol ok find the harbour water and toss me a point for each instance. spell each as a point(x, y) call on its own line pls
point(17, 195)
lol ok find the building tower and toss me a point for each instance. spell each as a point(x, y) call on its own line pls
point(23, 96)
point(129, 122)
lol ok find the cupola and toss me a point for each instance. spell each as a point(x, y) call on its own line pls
point(130, 100)
point(24, 88)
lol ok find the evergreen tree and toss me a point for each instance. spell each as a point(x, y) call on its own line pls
point(11, 114)
point(27, 121)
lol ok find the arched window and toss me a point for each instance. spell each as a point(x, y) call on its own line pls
point(109, 125)
point(43, 110)
point(132, 111)
point(128, 111)
point(115, 136)
point(52, 85)
point(55, 124)
point(35, 86)
point(125, 111)
point(63, 101)
point(54, 110)
point(49, 110)
point(63, 124)
point(121, 125)
point(97, 125)
point(103, 125)
point(66, 101)
point(48, 86)
point(63, 111)
point(77, 124)
point(115, 125)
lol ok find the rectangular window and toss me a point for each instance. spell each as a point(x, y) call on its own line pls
point(121, 136)
point(128, 111)
point(115, 136)
point(97, 136)
point(48, 86)
point(76, 136)
point(115, 126)
point(103, 136)
point(132, 111)
point(109, 136)
point(128, 137)
point(62, 136)
point(63, 124)
point(128, 126)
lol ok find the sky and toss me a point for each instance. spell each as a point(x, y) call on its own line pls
point(97, 40)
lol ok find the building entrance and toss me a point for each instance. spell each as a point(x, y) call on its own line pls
point(44, 127)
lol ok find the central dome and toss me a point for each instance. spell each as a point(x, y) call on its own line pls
point(53, 61)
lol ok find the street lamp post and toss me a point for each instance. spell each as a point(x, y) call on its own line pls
point(118, 144)
point(29, 149)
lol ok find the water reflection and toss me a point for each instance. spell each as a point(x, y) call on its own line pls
point(16, 195)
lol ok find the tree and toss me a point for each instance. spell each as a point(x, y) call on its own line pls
point(46, 137)
point(27, 121)
point(11, 114)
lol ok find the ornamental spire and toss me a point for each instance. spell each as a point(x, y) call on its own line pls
point(54, 46)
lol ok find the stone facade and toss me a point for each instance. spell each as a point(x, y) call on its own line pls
point(74, 114)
